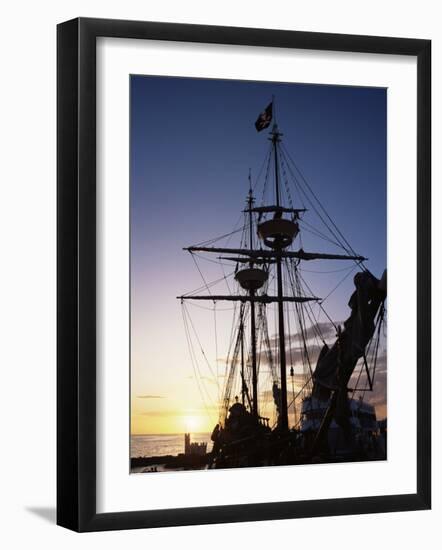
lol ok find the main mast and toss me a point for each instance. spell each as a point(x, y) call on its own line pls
point(252, 311)
point(278, 245)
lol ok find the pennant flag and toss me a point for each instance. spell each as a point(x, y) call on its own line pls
point(264, 119)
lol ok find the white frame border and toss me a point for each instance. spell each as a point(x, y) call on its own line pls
point(116, 489)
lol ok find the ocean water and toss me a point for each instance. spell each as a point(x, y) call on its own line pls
point(160, 445)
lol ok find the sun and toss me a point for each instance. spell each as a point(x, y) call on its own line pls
point(192, 423)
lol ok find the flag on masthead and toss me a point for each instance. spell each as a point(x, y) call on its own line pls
point(264, 119)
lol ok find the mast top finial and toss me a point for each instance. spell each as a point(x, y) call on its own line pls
point(250, 199)
point(275, 133)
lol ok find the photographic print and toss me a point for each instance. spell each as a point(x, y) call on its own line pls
point(258, 285)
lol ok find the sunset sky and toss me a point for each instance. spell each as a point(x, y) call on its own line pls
point(192, 145)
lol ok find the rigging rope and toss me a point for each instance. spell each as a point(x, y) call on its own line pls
point(340, 283)
point(349, 248)
point(216, 350)
point(194, 362)
point(219, 238)
point(201, 348)
point(266, 179)
point(206, 286)
point(319, 303)
point(317, 233)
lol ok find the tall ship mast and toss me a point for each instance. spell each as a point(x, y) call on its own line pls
point(312, 383)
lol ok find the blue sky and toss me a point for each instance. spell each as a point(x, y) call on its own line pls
point(193, 142)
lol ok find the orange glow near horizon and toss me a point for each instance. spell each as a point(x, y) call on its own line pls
point(171, 423)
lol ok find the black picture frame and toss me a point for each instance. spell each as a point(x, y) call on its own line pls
point(76, 274)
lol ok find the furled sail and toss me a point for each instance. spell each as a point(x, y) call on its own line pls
point(336, 364)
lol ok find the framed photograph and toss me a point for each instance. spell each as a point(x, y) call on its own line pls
point(230, 201)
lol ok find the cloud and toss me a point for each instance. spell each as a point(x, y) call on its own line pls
point(150, 397)
point(157, 413)
point(294, 354)
point(298, 382)
point(325, 329)
point(377, 397)
point(168, 413)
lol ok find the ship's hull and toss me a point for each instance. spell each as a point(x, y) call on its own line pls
point(363, 442)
